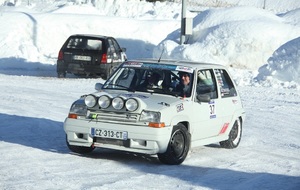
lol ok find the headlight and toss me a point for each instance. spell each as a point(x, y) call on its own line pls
point(118, 103)
point(104, 101)
point(90, 101)
point(131, 104)
point(76, 110)
point(149, 116)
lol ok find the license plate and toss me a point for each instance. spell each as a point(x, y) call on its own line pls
point(82, 58)
point(121, 135)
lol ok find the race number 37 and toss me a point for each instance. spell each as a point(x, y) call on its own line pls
point(212, 110)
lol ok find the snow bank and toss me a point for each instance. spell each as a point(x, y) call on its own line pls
point(244, 38)
point(241, 37)
point(284, 64)
point(292, 17)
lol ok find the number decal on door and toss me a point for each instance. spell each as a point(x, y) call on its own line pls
point(212, 109)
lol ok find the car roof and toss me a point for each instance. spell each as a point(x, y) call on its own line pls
point(91, 35)
point(192, 64)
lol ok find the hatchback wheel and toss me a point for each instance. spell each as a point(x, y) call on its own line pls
point(61, 75)
point(234, 136)
point(178, 147)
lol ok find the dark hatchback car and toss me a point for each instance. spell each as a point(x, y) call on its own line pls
point(89, 56)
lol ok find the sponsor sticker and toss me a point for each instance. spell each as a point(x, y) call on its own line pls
point(224, 128)
point(179, 107)
point(132, 64)
point(184, 69)
point(212, 109)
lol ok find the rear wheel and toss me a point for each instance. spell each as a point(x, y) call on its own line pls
point(178, 147)
point(79, 149)
point(61, 74)
point(108, 73)
point(235, 135)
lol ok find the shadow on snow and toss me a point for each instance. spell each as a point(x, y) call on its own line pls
point(44, 134)
point(198, 175)
point(48, 135)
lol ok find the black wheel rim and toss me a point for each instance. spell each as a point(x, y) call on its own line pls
point(234, 132)
point(177, 143)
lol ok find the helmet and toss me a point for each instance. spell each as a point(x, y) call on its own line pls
point(155, 77)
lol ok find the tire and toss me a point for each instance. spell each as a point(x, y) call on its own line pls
point(61, 74)
point(235, 136)
point(108, 73)
point(178, 147)
point(79, 149)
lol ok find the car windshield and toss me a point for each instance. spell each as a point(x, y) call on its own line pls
point(150, 77)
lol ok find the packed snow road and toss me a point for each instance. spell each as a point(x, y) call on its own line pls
point(34, 154)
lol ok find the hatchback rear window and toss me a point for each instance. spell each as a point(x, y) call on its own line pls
point(85, 43)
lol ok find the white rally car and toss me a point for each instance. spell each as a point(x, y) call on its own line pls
point(166, 116)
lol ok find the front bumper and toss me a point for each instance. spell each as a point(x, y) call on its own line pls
point(141, 138)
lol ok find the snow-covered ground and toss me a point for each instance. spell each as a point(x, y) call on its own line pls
point(261, 46)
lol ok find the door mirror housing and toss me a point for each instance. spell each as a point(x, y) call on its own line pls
point(98, 86)
point(203, 98)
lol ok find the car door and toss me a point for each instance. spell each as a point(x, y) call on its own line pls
point(207, 121)
point(228, 97)
point(114, 51)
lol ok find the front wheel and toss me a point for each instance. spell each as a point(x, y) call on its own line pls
point(178, 147)
point(107, 73)
point(61, 74)
point(235, 135)
point(79, 149)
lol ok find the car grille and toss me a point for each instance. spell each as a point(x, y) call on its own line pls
point(115, 117)
point(125, 143)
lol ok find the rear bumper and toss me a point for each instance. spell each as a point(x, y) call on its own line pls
point(83, 68)
point(140, 139)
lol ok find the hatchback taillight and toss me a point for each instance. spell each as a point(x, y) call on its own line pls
point(104, 58)
point(60, 55)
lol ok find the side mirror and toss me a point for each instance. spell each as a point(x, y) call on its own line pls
point(203, 98)
point(98, 86)
point(123, 49)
